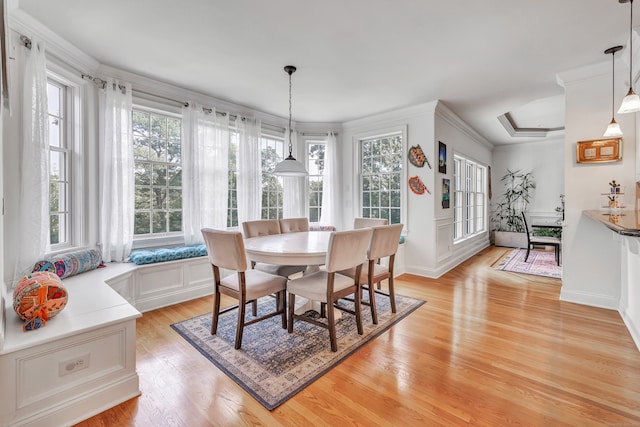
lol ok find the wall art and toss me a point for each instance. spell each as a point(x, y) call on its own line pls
point(417, 186)
point(417, 157)
point(442, 157)
point(446, 193)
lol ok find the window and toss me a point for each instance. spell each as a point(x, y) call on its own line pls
point(315, 166)
point(469, 198)
point(272, 153)
point(60, 153)
point(381, 177)
point(232, 210)
point(158, 172)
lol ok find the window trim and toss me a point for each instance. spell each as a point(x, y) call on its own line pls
point(357, 177)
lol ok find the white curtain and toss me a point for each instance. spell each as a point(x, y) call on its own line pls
point(294, 204)
point(249, 164)
point(330, 181)
point(205, 171)
point(116, 171)
point(33, 227)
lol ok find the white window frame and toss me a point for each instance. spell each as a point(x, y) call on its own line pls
point(279, 138)
point(357, 183)
point(74, 141)
point(168, 238)
point(462, 222)
point(309, 141)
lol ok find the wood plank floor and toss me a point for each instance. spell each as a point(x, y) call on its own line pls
point(489, 348)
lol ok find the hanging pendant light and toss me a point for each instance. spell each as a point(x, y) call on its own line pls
point(290, 166)
point(631, 102)
point(614, 128)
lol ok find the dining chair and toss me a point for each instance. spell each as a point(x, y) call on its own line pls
point(225, 249)
point(265, 227)
point(369, 222)
point(384, 243)
point(293, 225)
point(347, 249)
point(540, 240)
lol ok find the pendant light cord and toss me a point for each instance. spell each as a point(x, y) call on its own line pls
point(613, 68)
point(290, 146)
point(631, 47)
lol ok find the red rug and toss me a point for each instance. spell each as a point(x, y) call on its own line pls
point(540, 263)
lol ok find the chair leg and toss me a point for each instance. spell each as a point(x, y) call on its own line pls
point(281, 300)
point(372, 302)
point(557, 254)
point(292, 306)
point(240, 327)
point(526, 257)
point(358, 309)
point(216, 312)
point(331, 324)
point(392, 294)
point(254, 307)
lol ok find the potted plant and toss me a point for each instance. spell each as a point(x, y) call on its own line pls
point(508, 229)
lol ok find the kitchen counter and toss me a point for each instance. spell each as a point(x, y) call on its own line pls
point(624, 222)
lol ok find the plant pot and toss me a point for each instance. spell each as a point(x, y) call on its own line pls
point(510, 239)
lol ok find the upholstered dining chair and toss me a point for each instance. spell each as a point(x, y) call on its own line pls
point(369, 222)
point(384, 243)
point(347, 249)
point(266, 227)
point(293, 225)
point(540, 240)
point(226, 250)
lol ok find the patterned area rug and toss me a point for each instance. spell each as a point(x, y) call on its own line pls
point(274, 365)
point(540, 263)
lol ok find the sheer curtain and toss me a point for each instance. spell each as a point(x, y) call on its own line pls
point(33, 223)
point(330, 181)
point(205, 171)
point(249, 163)
point(116, 167)
point(294, 204)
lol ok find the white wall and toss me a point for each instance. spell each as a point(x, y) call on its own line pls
point(545, 159)
point(428, 227)
point(592, 253)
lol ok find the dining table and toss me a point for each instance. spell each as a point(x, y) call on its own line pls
point(299, 248)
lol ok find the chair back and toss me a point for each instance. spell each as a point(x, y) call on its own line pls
point(347, 249)
point(384, 241)
point(225, 249)
point(526, 228)
point(261, 227)
point(293, 225)
point(369, 222)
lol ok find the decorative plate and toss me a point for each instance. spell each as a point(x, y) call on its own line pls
point(417, 186)
point(417, 156)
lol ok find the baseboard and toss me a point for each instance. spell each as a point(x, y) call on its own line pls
point(631, 327)
point(451, 263)
point(594, 300)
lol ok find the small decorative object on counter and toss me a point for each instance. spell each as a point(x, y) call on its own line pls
point(38, 297)
point(615, 187)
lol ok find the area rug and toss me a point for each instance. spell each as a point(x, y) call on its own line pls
point(540, 263)
point(273, 365)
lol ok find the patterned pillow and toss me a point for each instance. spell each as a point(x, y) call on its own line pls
point(71, 263)
point(149, 256)
point(38, 297)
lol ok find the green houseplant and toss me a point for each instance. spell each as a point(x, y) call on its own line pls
point(506, 220)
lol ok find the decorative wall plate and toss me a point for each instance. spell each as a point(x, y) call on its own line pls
point(417, 156)
point(417, 186)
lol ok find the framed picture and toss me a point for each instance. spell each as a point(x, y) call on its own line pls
point(599, 150)
point(442, 157)
point(446, 193)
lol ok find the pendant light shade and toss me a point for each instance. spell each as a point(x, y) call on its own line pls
point(613, 129)
point(631, 102)
point(290, 166)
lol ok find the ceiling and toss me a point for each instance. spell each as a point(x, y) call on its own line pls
point(483, 59)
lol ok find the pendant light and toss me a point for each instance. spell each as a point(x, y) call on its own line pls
point(290, 166)
point(614, 128)
point(631, 102)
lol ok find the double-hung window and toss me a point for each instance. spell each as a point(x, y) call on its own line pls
point(158, 172)
point(272, 191)
point(232, 209)
point(381, 168)
point(315, 166)
point(469, 198)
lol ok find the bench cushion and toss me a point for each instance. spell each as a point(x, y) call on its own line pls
point(150, 256)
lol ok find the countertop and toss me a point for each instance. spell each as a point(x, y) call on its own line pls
point(625, 222)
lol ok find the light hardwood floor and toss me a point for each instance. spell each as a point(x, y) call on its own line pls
point(489, 348)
